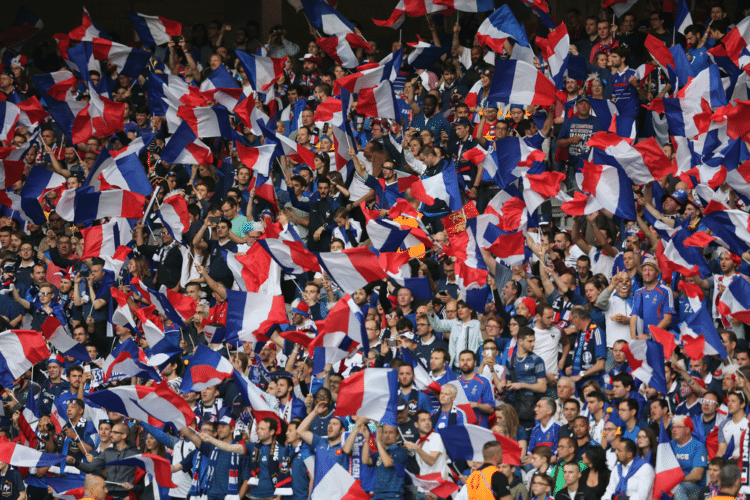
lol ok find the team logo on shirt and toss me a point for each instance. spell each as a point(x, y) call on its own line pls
point(7, 488)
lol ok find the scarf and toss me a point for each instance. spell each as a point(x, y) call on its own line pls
point(197, 483)
point(422, 440)
point(622, 485)
point(280, 472)
point(233, 489)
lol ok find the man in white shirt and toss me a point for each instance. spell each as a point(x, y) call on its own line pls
point(616, 302)
point(734, 425)
point(428, 449)
point(637, 473)
point(548, 338)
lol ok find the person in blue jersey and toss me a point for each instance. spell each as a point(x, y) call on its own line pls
point(331, 444)
point(653, 303)
point(528, 378)
point(478, 389)
point(389, 461)
point(590, 352)
point(531, 134)
point(297, 452)
point(448, 413)
point(691, 455)
point(624, 83)
point(547, 430)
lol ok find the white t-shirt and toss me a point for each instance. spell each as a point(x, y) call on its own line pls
point(729, 429)
point(547, 342)
point(433, 443)
point(600, 263)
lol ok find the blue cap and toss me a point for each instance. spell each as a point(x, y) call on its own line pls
point(583, 97)
point(491, 105)
point(680, 196)
point(462, 121)
point(544, 219)
point(516, 106)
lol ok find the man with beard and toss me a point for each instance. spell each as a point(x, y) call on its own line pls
point(309, 77)
point(415, 399)
point(478, 389)
point(291, 407)
point(428, 117)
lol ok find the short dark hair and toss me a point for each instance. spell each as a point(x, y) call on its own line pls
point(574, 401)
point(524, 332)
point(630, 446)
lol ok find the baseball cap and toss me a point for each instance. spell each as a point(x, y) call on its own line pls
point(680, 196)
point(544, 219)
point(401, 404)
point(227, 420)
point(462, 121)
point(583, 97)
point(311, 58)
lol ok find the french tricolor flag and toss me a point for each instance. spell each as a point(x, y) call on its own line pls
point(128, 360)
point(251, 313)
point(173, 212)
point(540, 187)
point(411, 8)
point(155, 405)
point(422, 379)
point(498, 27)
point(731, 226)
point(128, 61)
point(515, 158)
point(435, 484)
point(684, 259)
point(329, 111)
point(82, 206)
point(620, 7)
point(9, 115)
point(468, 5)
point(325, 18)
point(32, 113)
point(556, 51)
point(668, 472)
point(125, 173)
point(222, 88)
point(443, 186)
point(19, 351)
point(158, 467)
point(57, 335)
point(261, 72)
point(338, 484)
point(211, 121)
point(23, 456)
point(205, 369)
point(154, 30)
point(263, 404)
point(646, 360)
point(257, 159)
point(424, 55)
point(286, 146)
point(185, 147)
point(353, 268)
point(244, 268)
point(378, 101)
point(340, 48)
point(518, 82)
point(292, 256)
point(700, 337)
point(121, 314)
point(644, 162)
point(88, 29)
point(57, 85)
point(610, 187)
point(735, 301)
point(385, 234)
point(175, 306)
point(371, 393)
point(11, 171)
point(104, 239)
point(465, 442)
point(682, 109)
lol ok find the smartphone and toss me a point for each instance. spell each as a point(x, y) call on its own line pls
point(214, 220)
point(87, 368)
point(392, 343)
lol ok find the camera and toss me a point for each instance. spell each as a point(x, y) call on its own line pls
point(392, 343)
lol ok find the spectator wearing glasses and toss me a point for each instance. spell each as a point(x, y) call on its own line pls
point(120, 477)
point(167, 257)
point(46, 307)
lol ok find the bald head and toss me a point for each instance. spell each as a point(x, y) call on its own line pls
point(94, 487)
